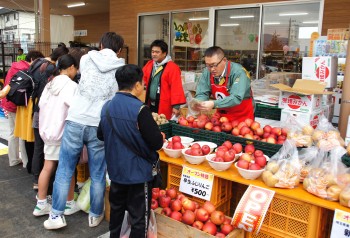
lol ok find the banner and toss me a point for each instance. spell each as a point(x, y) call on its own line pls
point(251, 210)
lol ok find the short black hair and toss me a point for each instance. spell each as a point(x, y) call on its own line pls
point(20, 49)
point(214, 50)
point(58, 52)
point(111, 40)
point(161, 44)
point(128, 75)
point(33, 55)
point(65, 62)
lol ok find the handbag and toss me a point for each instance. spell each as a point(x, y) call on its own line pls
point(156, 173)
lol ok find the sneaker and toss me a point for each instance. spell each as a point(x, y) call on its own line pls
point(71, 208)
point(42, 210)
point(55, 222)
point(95, 221)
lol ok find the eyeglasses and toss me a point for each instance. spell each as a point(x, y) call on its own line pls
point(214, 65)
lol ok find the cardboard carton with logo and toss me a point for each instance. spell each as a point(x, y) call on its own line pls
point(323, 69)
point(308, 118)
point(305, 95)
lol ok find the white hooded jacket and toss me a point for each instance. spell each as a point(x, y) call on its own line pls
point(54, 103)
point(97, 85)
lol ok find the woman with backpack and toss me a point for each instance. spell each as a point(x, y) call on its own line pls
point(54, 104)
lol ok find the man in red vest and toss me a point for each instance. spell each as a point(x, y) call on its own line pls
point(229, 85)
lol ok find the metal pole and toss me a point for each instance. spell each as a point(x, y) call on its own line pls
point(36, 39)
point(3, 58)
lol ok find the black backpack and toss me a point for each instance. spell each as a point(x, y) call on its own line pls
point(22, 86)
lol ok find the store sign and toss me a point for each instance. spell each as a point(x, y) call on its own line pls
point(196, 183)
point(251, 210)
point(80, 33)
point(341, 224)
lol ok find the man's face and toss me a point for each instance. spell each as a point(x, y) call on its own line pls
point(157, 54)
point(215, 64)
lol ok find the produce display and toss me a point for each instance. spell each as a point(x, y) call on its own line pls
point(179, 207)
point(160, 119)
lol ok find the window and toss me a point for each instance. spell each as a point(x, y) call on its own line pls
point(7, 18)
point(15, 16)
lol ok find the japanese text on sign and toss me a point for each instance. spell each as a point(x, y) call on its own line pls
point(196, 183)
point(341, 224)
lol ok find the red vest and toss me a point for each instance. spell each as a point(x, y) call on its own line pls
point(239, 112)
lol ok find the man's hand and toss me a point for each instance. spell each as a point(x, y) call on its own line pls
point(163, 136)
point(206, 105)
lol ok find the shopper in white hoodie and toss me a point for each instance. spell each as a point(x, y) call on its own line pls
point(97, 85)
point(54, 103)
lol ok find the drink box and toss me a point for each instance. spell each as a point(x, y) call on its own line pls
point(304, 96)
point(322, 69)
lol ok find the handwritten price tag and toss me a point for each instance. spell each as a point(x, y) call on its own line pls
point(341, 224)
point(196, 183)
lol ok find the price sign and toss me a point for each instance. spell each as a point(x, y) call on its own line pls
point(341, 224)
point(196, 183)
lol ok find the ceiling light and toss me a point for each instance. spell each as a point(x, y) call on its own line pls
point(310, 22)
point(293, 14)
point(1, 7)
point(67, 15)
point(198, 19)
point(77, 4)
point(272, 23)
point(229, 24)
point(239, 17)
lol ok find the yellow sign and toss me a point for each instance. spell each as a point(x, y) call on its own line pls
point(314, 36)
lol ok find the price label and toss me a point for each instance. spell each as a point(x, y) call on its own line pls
point(341, 224)
point(196, 183)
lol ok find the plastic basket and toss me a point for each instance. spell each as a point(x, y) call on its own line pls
point(83, 172)
point(346, 160)
point(268, 112)
point(221, 192)
point(198, 134)
point(166, 129)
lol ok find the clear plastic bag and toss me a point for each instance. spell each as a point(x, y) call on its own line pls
point(126, 226)
point(83, 200)
point(299, 132)
point(283, 169)
point(306, 157)
point(152, 226)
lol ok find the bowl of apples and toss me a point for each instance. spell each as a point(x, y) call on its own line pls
point(251, 166)
point(173, 148)
point(218, 163)
point(196, 153)
point(211, 145)
point(186, 141)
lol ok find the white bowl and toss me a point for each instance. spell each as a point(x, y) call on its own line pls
point(211, 145)
point(218, 166)
point(172, 153)
point(186, 141)
point(249, 174)
point(193, 159)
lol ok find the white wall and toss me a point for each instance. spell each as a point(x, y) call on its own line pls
point(62, 28)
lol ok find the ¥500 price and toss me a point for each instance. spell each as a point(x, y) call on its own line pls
point(199, 192)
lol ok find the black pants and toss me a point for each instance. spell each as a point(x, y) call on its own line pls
point(132, 198)
point(38, 157)
point(29, 150)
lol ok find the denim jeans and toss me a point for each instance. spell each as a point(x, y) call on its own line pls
point(75, 135)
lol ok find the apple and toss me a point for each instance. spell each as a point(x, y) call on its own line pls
point(237, 147)
point(183, 122)
point(190, 119)
point(187, 204)
point(260, 160)
point(229, 156)
point(220, 235)
point(162, 192)
point(235, 131)
point(271, 140)
point(177, 146)
point(226, 228)
point(209, 126)
point(227, 144)
point(246, 156)
point(256, 137)
point(201, 124)
point(226, 126)
point(248, 121)
point(198, 225)
point(235, 123)
point(188, 152)
point(258, 153)
point(155, 193)
point(280, 142)
point(203, 117)
point(284, 132)
point(164, 201)
point(215, 121)
point(223, 119)
point(176, 139)
point(220, 153)
point(254, 166)
point(218, 159)
point(259, 131)
point(216, 129)
point(249, 149)
point(281, 137)
point(241, 124)
point(205, 149)
point(267, 129)
point(210, 228)
point(176, 215)
point(244, 130)
point(202, 215)
point(255, 125)
point(216, 115)
point(227, 221)
point(217, 217)
point(171, 192)
point(195, 146)
point(176, 205)
point(195, 123)
point(169, 145)
point(196, 152)
point(249, 136)
point(221, 147)
point(266, 134)
point(276, 131)
point(209, 207)
point(154, 204)
point(180, 196)
point(188, 217)
point(166, 211)
point(244, 164)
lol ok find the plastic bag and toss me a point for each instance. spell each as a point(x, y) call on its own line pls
point(283, 169)
point(126, 226)
point(83, 200)
point(306, 157)
point(299, 132)
point(344, 197)
point(329, 176)
point(325, 136)
point(152, 226)
point(192, 107)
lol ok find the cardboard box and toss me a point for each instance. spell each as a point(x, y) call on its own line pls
point(304, 96)
point(337, 103)
point(324, 69)
point(311, 118)
point(168, 227)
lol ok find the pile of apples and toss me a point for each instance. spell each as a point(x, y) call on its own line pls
point(248, 128)
point(179, 207)
point(175, 143)
point(252, 159)
point(227, 152)
point(197, 150)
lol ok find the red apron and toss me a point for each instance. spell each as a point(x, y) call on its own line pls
point(239, 112)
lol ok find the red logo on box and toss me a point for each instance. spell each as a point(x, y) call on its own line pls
point(314, 121)
point(322, 71)
point(295, 102)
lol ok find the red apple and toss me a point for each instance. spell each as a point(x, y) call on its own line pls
point(259, 131)
point(188, 217)
point(195, 146)
point(176, 139)
point(201, 124)
point(221, 147)
point(202, 215)
point(281, 137)
point(248, 121)
point(284, 132)
point(254, 166)
point(218, 159)
point(176, 205)
point(180, 196)
point(155, 193)
point(195, 123)
point(249, 149)
point(164, 201)
point(208, 126)
point(171, 192)
point(246, 156)
point(215, 121)
point(255, 125)
point(216, 129)
point(280, 142)
point(237, 147)
point(188, 152)
point(256, 137)
point(276, 131)
point(176, 215)
point(267, 129)
point(244, 130)
point(227, 221)
point(260, 160)
point(235, 123)
point(223, 119)
point(220, 235)
point(196, 152)
point(258, 153)
point(226, 126)
point(217, 217)
point(166, 211)
point(266, 134)
point(244, 164)
point(210, 228)
point(198, 225)
point(249, 136)
point(203, 117)
point(183, 122)
point(169, 145)
point(177, 146)
point(235, 131)
point(209, 207)
point(226, 228)
point(271, 140)
point(227, 144)
point(229, 156)
point(220, 153)
point(216, 115)
point(154, 204)
point(205, 149)
point(241, 124)
point(190, 119)
point(188, 204)
point(162, 192)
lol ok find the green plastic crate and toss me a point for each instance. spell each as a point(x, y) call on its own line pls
point(268, 112)
point(346, 160)
point(166, 129)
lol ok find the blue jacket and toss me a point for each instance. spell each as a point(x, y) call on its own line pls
point(126, 165)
